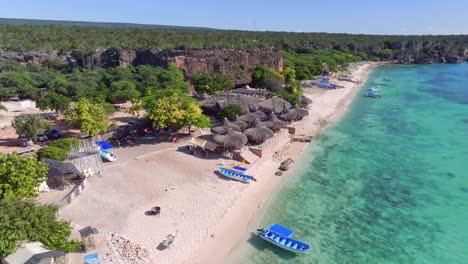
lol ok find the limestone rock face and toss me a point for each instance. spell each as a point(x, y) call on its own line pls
point(236, 64)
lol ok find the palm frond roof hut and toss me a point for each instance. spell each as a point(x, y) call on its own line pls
point(301, 113)
point(217, 103)
point(274, 104)
point(226, 125)
point(274, 123)
point(231, 139)
point(288, 115)
point(259, 133)
point(240, 123)
point(305, 100)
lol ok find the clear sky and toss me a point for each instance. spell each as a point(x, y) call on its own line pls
point(348, 16)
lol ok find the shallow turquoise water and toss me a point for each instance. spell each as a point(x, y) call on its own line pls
point(388, 183)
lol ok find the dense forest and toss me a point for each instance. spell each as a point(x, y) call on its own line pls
point(305, 52)
point(58, 37)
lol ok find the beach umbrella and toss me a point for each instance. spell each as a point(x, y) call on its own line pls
point(274, 104)
point(226, 125)
point(288, 115)
point(259, 133)
point(240, 123)
point(274, 123)
point(231, 139)
point(301, 113)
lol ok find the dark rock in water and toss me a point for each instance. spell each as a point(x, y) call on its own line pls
point(464, 189)
point(451, 175)
point(386, 177)
point(285, 164)
point(392, 199)
point(279, 173)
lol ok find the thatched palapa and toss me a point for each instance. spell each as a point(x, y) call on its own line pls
point(301, 113)
point(288, 115)
point(274, 104)
point(259, 133)
point(274, 123)
point(305, 101)
point(224, 128)
point(243, 125)
point(217, 103)
point(231, 139)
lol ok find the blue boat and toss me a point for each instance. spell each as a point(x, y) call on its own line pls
point(373, 92)
point(235, 175)
point(107, 155)
point(279, 236)
point(240, 168)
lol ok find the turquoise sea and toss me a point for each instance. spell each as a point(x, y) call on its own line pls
point(388, 183)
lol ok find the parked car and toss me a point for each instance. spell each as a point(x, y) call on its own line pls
point(54, 133)
point(146, 129)
point(41, 138)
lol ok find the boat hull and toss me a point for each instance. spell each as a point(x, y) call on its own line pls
point(235, 176)
point(280, 237)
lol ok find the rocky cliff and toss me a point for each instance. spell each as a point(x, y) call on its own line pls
point(235, 64)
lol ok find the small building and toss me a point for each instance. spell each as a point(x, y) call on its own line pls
point(204, 144)
point(33, 253)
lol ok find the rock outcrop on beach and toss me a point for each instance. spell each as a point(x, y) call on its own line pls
point(235, 64)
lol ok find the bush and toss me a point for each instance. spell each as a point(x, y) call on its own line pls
point(66, 143)
point(51, 152)
point(211, 83)
point(24, 219)
point(230, 111)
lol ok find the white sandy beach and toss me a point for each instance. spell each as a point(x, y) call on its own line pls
point(211, 214)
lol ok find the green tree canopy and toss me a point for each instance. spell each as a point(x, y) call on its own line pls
point(211, 83)
point(90, 118)
point(123, 91)
point(53, 101)
point(264, 78)
point(19, 176)
point(174, 109)
point(51, 152)
point(20, 82)
point(30, 126)
point(24, 219)
point(230, 112)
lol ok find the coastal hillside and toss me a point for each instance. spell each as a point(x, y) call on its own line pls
point(404, 49)
point(231, 53)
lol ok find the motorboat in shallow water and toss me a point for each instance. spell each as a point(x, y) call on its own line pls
point(279, 236)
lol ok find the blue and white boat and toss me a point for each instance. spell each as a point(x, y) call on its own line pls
point(235, 175)
point(107, 155)
point(279, 236)
point(373, 92)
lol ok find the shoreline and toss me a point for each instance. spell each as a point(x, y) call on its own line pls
point(233, 227)
point(210, 214)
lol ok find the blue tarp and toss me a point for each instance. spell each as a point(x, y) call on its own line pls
point(104, 144)
point(92, 259)
point(281, 230)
